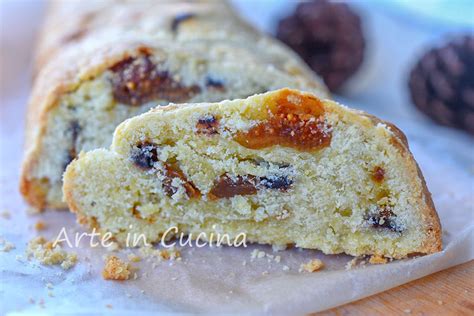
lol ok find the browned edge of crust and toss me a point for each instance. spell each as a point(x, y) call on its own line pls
point(68, 192)
point(433, 240)
point(45, 96)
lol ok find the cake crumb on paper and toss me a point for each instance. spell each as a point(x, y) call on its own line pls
point(40, 225)
point(49, 254)
point(376, 259)
point(134, 258)
point(116, 269)
point(277, 248)
point(5, 214)
point(352, 263)
point(161, 254)
point(257, 254)
point(31, 210)
point(312, 266)
point(114, 246)
point(6, 245)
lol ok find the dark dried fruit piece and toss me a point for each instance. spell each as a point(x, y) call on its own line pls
point(137, 80)
point(378, 174)
point(180, 19)
point(215, 84)
point(279, 182)
point(207, 125)
point(295, 121)
point(74, 129)
point(227, 186)
point(144, 155)
point(172, 172)
point(385, 218)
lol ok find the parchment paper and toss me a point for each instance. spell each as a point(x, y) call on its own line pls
point(217, 279)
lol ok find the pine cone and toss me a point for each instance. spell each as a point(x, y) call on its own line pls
point(328, 37)
point(442, 84)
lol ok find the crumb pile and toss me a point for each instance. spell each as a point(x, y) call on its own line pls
point(46, 252)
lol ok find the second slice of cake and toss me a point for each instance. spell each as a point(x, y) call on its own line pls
point(283, 168)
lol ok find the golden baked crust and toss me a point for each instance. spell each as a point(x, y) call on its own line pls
point(86, 21)
point(63, 67)
point(429, 211)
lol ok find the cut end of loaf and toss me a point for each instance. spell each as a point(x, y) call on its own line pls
point(284, 167)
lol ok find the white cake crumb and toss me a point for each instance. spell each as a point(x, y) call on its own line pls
point(312, 266)
point(47, 253)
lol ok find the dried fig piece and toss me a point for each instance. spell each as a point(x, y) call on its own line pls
point(173, 171)
point(295, 121)
point(136, 81)
point(227, 186)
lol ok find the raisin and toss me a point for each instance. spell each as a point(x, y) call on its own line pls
point(74, 129)
point(384, 218)
point(226, 186)
point(136, 81)
point(180, 19)
point(281, 183)
point(378, 174)
point(144, 155)
point(173, 171)
point(293, 120)
point(207, 125)
point(215, 84)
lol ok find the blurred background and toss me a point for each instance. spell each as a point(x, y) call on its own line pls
point(409, 62)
